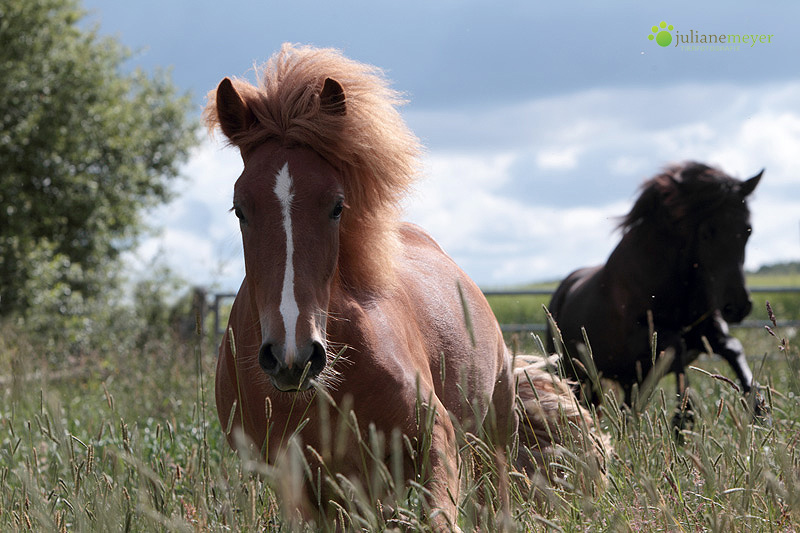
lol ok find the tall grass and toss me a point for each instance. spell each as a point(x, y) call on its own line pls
point(131, 442)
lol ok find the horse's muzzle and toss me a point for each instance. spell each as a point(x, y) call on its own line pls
point(735, 313)
point(306, 365)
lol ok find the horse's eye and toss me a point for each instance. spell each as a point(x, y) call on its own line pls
point(336, 214)
point(238, 212)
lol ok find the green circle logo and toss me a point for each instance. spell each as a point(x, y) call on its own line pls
point(661, 34)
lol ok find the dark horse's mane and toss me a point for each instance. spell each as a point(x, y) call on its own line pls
point(680, 197)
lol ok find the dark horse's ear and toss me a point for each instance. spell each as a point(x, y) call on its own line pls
point(331, 99)
point(232, 112)
point(749, 185)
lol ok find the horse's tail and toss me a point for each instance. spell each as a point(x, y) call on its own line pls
point(555, 430)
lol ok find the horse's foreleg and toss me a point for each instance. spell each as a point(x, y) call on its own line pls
point(733, 352)
point(627, 391)
point(684, 413)
point(731, 349)
point(443, 483)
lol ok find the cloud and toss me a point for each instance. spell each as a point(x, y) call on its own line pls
point(550, 210)
point(197, 236)
point(558, 158)
point(776, 229)
point(498, 238)
point(768, 139)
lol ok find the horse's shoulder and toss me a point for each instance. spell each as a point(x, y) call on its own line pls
point(376, 332)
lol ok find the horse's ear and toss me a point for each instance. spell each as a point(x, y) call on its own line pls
point(749, 185)
point(332, 99)
point(233, 114)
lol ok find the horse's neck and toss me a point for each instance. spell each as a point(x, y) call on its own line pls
point(651, 267)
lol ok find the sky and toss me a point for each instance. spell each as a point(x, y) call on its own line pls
point(539, 121)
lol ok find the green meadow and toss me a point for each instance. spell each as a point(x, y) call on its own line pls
point(123, 435)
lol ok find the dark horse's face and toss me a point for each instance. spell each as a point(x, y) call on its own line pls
point(719, 259)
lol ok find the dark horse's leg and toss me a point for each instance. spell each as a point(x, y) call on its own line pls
point(683, 418)
point(627, 389)
point(716, 332)
point(684, 412)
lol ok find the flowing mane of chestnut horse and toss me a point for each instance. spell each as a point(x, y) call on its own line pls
point(678, 273)
point(342, 300)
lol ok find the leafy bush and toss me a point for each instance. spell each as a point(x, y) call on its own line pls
point(84, 147)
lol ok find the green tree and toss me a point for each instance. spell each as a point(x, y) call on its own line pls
point(84, 148)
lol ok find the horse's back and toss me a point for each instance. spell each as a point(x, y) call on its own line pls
point(571, 289)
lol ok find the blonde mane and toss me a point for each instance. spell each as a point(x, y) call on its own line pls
point(370, 145)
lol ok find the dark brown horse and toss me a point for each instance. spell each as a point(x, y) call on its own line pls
point(678, 272)
point(342, 301)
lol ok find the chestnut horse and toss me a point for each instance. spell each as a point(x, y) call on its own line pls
point(678, 271)
point(341, 299)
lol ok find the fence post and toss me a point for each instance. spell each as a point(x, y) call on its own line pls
point(215, 310)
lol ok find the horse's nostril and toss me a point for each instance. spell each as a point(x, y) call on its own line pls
point(266, 358)
point(318, 358)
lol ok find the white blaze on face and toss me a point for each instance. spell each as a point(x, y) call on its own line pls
point(288, 306)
